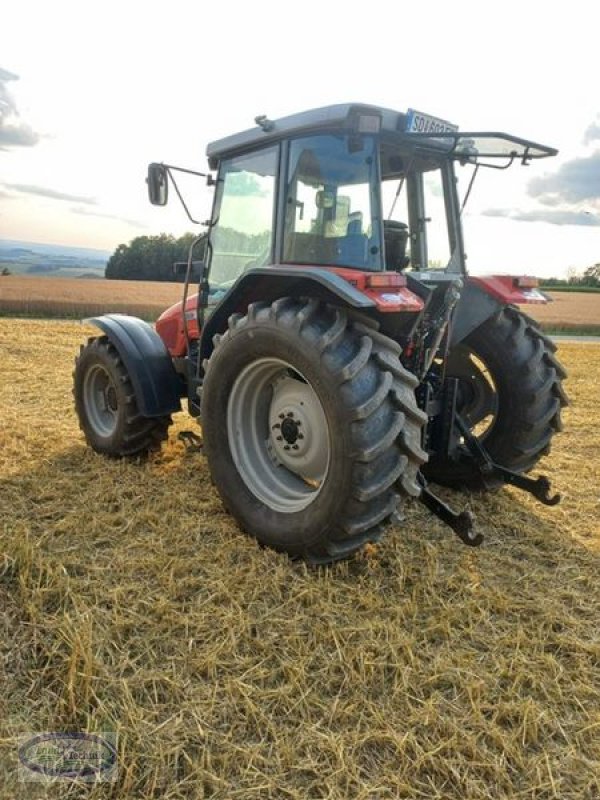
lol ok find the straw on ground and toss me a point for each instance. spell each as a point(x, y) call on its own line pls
point(132, 603)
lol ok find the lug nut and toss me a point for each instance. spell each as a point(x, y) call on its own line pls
point(277, 425)
point(295, 447)
point(282, 416)
point(290, 413)
point(300, 435)
point(286, 447)
point(280, 438)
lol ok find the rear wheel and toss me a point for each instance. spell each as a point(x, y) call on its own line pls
point(310, 427)
point(106, 406)
point(509, 393)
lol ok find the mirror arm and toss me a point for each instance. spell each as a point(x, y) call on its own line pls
point(182, 169)
point(179, 195)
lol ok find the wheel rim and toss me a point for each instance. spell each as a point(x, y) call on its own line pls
point(100, 400)
point(278, 435)
point(477, 399)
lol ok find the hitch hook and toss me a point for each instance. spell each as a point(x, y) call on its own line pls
point(460, 522)
point(538, 487)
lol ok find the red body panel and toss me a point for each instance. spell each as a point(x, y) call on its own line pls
point(391, 298)
point(394, 298)
point(505, 288)
point(169, 326)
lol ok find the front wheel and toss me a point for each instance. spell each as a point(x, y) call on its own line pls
point(106, 405)
point(310, 427)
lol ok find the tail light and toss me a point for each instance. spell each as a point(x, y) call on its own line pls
point(385, 280)
point(526, 282)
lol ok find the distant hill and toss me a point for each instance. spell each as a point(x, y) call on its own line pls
point(35, 258)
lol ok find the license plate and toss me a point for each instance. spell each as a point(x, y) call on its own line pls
point(417, 122)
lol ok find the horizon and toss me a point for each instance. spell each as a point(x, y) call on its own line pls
point(107, 254)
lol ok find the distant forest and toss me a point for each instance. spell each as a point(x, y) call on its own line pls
point(151, 258)
point(588, 281)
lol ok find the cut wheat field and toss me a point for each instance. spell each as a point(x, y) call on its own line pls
point(76, 298)
point(132, 603)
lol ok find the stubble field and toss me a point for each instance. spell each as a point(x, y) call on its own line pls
point(420, 669)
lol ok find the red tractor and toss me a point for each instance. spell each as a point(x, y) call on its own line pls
point(338, 356)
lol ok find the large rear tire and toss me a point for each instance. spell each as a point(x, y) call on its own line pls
point(310, 427)
point(510, 394)
point(106, 405)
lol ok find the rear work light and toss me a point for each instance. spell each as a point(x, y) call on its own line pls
point(364, 120)
point(385, 280)
point(526, 282)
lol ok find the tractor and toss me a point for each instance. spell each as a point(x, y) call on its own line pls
point(336, 352)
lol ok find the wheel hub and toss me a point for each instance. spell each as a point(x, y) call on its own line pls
point(298, 429)
point(290, 428)
point(110, 398)
point(101, 401)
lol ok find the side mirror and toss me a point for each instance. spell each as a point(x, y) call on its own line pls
point(158, 184)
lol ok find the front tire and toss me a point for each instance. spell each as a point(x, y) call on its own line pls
point(106, 405)
point(510, 394)
point(310, 427)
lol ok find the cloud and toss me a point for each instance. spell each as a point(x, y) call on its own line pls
point(17, 136)
point(568, 196)
point(553, 217)
point(43, 191)
point(133, 223)
point(592, 133)
point(14, 132)
point(575, 181)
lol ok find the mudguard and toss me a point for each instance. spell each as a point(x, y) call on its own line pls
point(157, 386)
point(269, 283)
point(482, 297)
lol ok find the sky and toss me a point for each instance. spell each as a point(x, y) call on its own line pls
point(90, 93)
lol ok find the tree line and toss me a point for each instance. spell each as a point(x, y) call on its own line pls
point(589, 279)
point(148, 258)
point(151, 258)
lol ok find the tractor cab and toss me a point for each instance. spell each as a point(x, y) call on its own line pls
point(347, 187)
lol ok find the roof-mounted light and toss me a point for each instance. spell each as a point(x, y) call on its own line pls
point(364, 120)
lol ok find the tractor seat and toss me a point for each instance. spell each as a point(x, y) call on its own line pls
point(395, 235)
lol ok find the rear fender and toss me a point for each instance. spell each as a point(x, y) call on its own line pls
point(482, 297)
point(508, 289)
point(157, 386)
point(343, 288)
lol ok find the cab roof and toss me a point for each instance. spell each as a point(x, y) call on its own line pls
point(316, 119)
point(394, 127)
